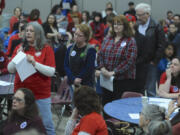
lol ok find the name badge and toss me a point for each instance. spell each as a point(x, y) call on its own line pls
point(23, 125)
point(73, 53)
point(1, 59)
point(123, 44)
point(38, 54)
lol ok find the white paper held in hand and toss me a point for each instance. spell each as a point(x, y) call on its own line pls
point(23, 67)
point(107, 82)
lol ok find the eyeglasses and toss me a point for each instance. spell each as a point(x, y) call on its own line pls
point(17, 99)
point(118, 24)
point(78, 35)
point(140, 14)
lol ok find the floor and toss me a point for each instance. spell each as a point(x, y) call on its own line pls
point(62, 125)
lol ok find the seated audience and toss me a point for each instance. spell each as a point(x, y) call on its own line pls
point(164, 63)
point(110, 6)
point(97, 27)
point(14, 19)
point(51, 31)
point(24, 114)
point(152, 121)
point(3, 62)
point(88, 107)
point(74, 11)
point(60, 18)
point(170, 80)
point(169, 18)
point(16, 39)
point(160, 128)
point(86, 17)
point(175, 121)
point(34, 16)
point(131, 10)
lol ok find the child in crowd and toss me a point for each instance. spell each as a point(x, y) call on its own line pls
point(169, 53)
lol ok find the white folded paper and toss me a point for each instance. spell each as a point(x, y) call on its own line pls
point(23, 67)
point(134, 115)
point(106, 82)
point(4, 83)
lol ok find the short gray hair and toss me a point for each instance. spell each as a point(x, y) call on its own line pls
point(40, 38)
point(144, 6)
point(160, 128)
point(153, 112)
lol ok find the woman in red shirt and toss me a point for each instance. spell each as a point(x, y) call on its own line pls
point(34, 16)
point(41, 56)
point(14, 19)
point(88, 106)
point(170, 80)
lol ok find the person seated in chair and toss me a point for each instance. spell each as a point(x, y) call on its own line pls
point(88, 106)
point(24, 114)
point(150, 121)
point(3, 62)
point(170, 80)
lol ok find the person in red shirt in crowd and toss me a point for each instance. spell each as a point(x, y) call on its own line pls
point(98, 27)
point(41, 56)
point(88, 107)
point(74, 12)
point(14, 19)
point(170, 80)
point(16, 39)
point(34, 16)
point(3, 62)
point(2, 6)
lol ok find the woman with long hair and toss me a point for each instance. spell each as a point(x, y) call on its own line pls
point(117, 58)
point(41, 56)
point(24, 114)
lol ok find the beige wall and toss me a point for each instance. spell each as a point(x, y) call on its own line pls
point(159, 7)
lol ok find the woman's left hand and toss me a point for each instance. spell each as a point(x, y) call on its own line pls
point(31, 59)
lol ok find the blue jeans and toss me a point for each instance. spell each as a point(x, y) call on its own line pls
point(151, 80)
point(44, 106)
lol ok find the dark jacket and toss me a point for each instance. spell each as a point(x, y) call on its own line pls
point(156, 41)
point(23, 124)
point(77, 67)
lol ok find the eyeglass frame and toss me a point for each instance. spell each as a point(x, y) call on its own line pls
point(18, 99)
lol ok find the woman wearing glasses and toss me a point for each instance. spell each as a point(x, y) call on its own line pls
point(24, 114)
point(80, 58)
point(117, 58)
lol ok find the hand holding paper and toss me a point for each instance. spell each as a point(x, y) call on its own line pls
point(23, 67)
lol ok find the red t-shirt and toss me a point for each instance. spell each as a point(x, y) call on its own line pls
point(96, 43)
point(38, 20)
point(12, 21)
point(93, 124)
point(38, 83)
point(14, 37)
point(3, 62)
point(173, 89)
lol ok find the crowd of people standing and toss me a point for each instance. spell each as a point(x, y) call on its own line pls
point(137, 52)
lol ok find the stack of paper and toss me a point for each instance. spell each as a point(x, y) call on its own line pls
point(23, 67)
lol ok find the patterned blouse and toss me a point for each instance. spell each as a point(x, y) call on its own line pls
point(119, 57)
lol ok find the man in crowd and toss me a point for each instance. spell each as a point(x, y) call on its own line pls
point(155, 38)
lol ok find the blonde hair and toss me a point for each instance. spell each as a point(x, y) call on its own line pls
point(85, 30)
